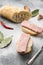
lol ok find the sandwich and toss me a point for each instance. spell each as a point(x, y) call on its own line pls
point(31, 28)
point(24, 44)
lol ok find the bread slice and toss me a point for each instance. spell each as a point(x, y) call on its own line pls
point(15, 14)
point(29, 47)
point(28, 31)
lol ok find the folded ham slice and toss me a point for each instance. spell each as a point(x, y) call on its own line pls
point(23, 43)
point(32, 27)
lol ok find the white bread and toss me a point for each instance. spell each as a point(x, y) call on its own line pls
point(28, 31)
point(29, 47)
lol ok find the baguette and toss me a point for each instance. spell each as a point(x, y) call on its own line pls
point(15, 14)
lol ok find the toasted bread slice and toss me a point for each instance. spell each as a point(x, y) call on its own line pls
point(29, 47)
point(29, 31)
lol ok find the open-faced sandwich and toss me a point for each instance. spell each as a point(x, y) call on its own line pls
point(15, 14)
point(31, 28)
point(24, 44)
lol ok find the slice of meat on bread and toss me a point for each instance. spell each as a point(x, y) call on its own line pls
point(24, 44)
point(31, 28)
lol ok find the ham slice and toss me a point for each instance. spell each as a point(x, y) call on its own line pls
point(23, 42)
point(32, 27)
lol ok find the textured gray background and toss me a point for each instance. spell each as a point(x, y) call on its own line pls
point(9, 56)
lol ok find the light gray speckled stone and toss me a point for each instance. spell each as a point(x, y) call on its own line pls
point(9, 56)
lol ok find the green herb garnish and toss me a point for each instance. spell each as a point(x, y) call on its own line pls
point(1, 36)
point(35, 12)
point(6, 42)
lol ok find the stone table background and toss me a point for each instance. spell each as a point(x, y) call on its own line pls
point(8, 55)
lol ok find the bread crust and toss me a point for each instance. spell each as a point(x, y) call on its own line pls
point(15, 14)
point(28, 31)
point(29, 47)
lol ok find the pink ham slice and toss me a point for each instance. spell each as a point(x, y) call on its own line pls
point(32, 27)
point(23, 42)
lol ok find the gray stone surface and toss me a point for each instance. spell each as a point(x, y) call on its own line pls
point(8, 55)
